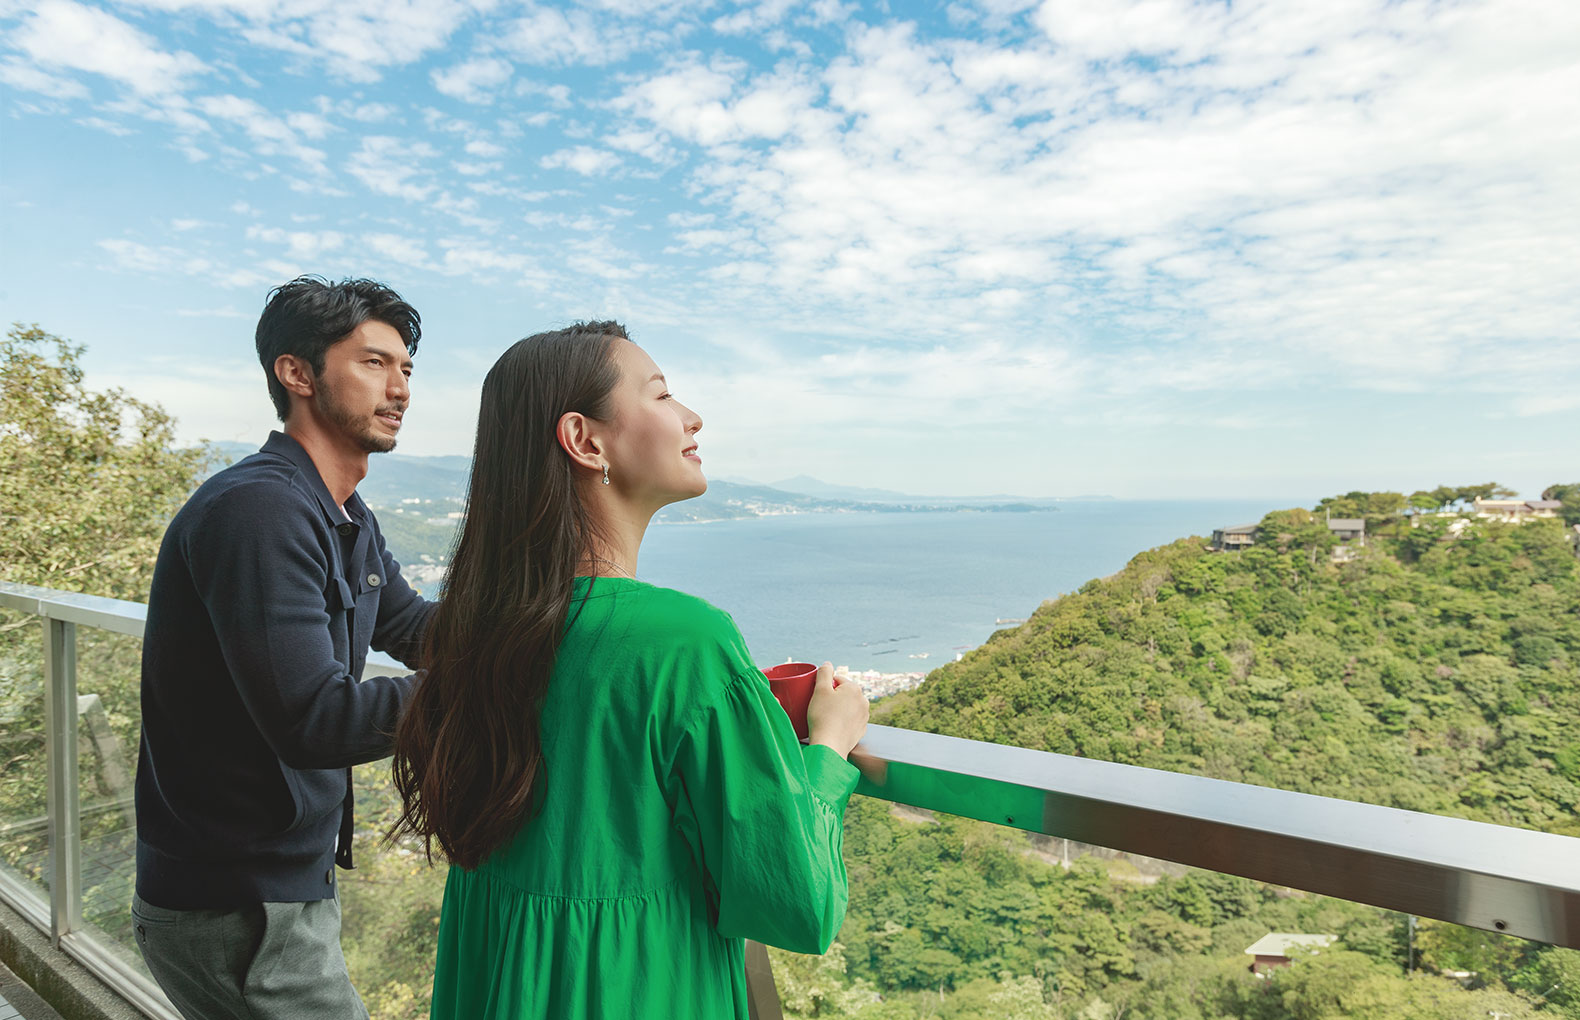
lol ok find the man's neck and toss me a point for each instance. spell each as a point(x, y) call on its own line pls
point(341, 463)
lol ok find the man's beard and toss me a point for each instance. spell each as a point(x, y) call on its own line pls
point(358, 427)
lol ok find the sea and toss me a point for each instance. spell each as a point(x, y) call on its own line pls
point(907, 592)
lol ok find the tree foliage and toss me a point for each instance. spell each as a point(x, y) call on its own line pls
point(88, 480)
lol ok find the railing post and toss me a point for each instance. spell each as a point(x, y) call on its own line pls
point(762, 995)
point(60, 751)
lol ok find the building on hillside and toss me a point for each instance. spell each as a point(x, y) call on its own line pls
point(1516, 510)
point(1348, 529)
point(1272, 950)
point(1238, 537)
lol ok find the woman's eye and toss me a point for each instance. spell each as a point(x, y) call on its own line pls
point(667, 396)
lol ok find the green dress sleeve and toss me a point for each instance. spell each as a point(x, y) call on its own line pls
point(764, 816)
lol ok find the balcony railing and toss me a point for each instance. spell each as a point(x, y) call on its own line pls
point(1502, 879)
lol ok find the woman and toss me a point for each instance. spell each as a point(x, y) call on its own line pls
point(620, 797)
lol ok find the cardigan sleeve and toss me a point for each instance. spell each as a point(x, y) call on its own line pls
point(764, 816)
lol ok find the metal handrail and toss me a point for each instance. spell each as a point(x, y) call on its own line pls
point(1495, 877)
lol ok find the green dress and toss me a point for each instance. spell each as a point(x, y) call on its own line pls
point(679, 816)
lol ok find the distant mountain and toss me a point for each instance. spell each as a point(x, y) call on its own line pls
point(828, 490)
point(392, 477)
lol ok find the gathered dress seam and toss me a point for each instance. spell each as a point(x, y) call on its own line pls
point(642, 894)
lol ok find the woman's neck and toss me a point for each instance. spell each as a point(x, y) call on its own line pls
point(613, 550)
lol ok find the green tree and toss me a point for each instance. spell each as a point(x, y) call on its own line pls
point(88, 480)
point(1553, 977)
point(1486, 490)
point(1567, 493)
point(1488, 955)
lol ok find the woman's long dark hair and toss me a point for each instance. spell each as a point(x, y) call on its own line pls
point(468, 748)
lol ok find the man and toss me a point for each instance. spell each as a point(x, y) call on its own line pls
point(271, 583)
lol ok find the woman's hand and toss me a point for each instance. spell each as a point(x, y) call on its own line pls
point(837, 715)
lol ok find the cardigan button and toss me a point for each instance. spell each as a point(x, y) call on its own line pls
point(373, 580)
point(344, 529)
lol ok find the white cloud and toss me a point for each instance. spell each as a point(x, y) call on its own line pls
point(484, 149)
point(361, 110)
point(1382, 194)
point(387, 166)
point(398, 249)
point(545, 35)
point(583, 159)
point(474, 81)
point(754, 17)
point(306, 246)
point(22, 75)
point(353, 39)
point(310, 125)
point(109, 127)
point(62, 33)
point(270, 135)
point(143, 258)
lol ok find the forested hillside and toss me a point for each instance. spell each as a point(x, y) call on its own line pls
point(1431, 672)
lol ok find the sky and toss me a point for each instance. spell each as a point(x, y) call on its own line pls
point(1145, 248)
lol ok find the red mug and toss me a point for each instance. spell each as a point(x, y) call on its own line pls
point(792, 684)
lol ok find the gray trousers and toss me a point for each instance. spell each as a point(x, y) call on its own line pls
point(269, 961)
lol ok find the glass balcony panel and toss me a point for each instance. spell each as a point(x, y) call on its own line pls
point(956, 918)
point(109, 719)
point(24, 787)
point(389, 907)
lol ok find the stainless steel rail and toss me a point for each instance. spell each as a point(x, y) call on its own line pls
point(1495, 877)
point(1486, 876)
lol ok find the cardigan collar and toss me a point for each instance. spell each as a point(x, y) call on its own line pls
point(282, 445)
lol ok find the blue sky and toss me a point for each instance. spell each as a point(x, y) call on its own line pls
point(1144, 247)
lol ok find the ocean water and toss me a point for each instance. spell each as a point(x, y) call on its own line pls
point(903, 592)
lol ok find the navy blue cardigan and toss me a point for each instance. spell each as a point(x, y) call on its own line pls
point(264, 602)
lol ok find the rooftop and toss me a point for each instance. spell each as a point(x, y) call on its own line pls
point(1278, 943)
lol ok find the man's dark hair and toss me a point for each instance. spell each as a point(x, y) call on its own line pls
point(309, 315)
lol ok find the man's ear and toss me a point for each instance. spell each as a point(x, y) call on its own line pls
point(295, 374)
point(576, 437)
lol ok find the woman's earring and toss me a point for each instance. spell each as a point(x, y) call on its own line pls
point(606, 474)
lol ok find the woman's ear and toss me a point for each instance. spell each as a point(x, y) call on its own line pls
point(575, 433)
